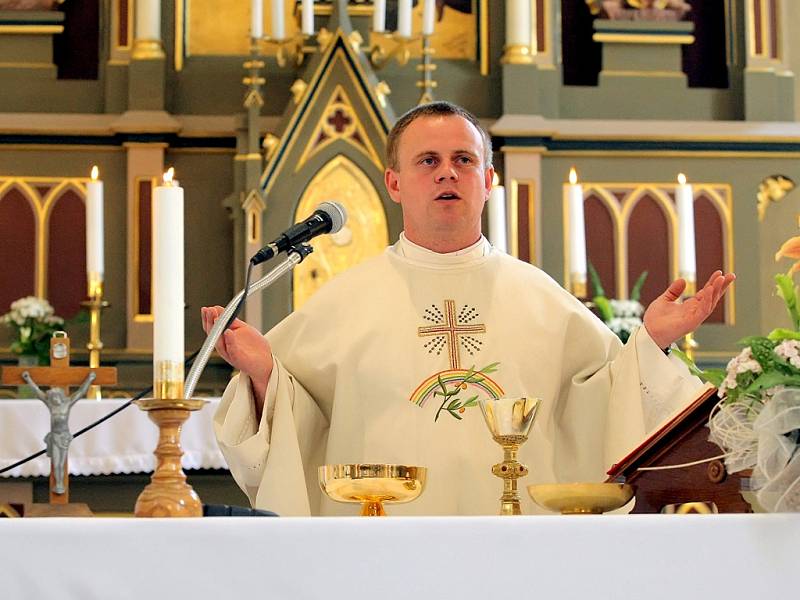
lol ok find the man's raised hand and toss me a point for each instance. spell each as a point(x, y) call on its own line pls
point(668, 319)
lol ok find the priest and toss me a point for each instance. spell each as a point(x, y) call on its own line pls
point(387, 362)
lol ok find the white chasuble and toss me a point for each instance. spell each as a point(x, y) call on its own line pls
point(386, 364)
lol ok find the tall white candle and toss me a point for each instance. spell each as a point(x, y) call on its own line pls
point(256, 19)
point(497, 216)
point(404, 18)
point(684, 202)
point(278, 22)
point(94, 228)
point(308, 17)
point(577, 230)
point(518, 23)
point(167, 272)
point(379, 16)
point(428, 16)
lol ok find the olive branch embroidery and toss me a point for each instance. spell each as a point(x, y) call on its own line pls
point(451, 403)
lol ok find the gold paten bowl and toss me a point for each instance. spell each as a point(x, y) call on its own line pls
point(372, 484)
point(581, 498)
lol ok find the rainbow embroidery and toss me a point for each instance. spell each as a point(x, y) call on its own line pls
point(426, 389)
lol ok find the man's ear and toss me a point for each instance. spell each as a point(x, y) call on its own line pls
point(488, 179)
point(392, 183)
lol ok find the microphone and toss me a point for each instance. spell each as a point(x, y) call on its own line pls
point(328, 218)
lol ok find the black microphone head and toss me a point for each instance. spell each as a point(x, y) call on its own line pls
point(336, 213)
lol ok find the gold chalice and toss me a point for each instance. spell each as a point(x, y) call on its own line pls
point(372, 485)
point(581, 498)
point(509, 421)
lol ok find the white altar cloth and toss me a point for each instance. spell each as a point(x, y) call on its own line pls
point(123, 444)
point(658, 557)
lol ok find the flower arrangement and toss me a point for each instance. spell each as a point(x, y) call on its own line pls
point(621, 316)
point(757, 422)
point(33, 321)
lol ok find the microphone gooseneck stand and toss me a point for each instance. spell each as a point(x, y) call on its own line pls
point(294, 256)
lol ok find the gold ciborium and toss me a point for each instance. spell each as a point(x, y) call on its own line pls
point(581, 498)
point(509, 421)
point(372, 485)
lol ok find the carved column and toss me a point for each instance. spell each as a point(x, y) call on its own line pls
point(531, 79)
point(148, 67)
point(768, 82)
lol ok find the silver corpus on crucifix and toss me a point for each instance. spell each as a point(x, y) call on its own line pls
point(59, 437)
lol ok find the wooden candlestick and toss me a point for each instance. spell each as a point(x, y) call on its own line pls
point(168, 494)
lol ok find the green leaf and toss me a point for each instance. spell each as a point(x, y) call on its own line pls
point(598, 287)
point(636, 292)
point(604, 306)
point(771, 379)
point(490, 368)
point(780, 334)
point(455, 414)
point(441, 384)
point(471, 402)
point(786, 290)
point(453, 405)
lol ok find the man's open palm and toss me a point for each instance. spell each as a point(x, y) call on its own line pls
point(668, 319)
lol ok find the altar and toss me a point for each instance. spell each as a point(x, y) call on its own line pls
point(631, 556)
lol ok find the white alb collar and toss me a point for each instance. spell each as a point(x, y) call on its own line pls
point(422, 255)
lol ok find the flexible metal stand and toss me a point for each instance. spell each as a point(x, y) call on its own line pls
point(293, 257)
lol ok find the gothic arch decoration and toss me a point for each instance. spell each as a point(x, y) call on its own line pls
point(328, 150)
point(48, 233)
point(339, 122)
point(622, 211)
point(365, 234)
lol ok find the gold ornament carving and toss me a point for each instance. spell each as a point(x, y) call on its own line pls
point(366, 233)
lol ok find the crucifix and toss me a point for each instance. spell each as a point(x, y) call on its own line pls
point(451, 329)
point(59, 376)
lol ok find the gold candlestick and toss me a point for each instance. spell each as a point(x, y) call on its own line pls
point(168, 494)
point(379, 57)
point(95, 305)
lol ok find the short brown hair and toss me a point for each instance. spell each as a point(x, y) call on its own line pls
point(434, 109)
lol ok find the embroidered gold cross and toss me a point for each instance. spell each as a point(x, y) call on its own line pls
point(450, 329)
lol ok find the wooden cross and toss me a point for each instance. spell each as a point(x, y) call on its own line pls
point(450, 329)
point(59, 375)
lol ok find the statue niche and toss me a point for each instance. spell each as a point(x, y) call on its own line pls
point(639, 10)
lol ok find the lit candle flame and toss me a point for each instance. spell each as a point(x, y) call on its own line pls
point(169, 175)
point(95, 173)
point(495, 180)
point(573, 176)
point(681, 178)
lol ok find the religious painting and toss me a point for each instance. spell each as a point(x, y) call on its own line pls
point(455, 28)
point(212, 31)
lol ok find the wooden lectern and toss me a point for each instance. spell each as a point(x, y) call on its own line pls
point(682, 440)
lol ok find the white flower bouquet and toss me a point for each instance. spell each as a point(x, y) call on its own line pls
point(33, 321)
point(621, 316)
point(757, 422)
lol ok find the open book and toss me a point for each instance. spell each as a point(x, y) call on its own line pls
point(669, 430)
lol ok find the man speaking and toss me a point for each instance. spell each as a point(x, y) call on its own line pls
point(386, 363)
